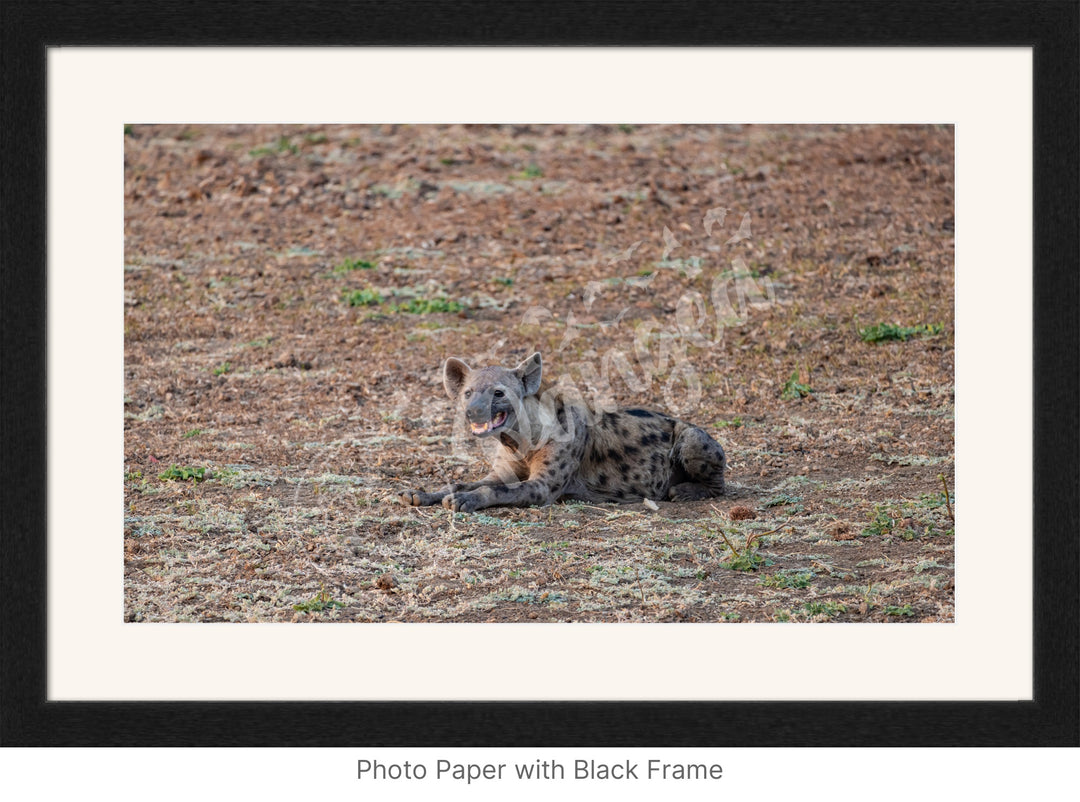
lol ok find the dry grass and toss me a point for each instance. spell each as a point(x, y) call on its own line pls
point(243, 357)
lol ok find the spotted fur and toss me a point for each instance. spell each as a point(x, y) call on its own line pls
point(552, 447)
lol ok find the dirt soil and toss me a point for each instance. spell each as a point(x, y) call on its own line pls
point(291, 292)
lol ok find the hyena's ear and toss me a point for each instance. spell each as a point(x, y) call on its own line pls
point(454, 374)
point(529, 372)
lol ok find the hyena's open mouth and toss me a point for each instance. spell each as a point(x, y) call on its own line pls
point(494, 423)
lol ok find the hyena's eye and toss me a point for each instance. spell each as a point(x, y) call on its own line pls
point(467, 394)
point(499, 393)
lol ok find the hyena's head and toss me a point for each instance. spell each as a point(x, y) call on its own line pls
point(491, 398)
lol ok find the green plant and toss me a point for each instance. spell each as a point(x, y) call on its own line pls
point(317, 605)
point(892, 609)
point(881, 524)
point(353, 264)
point(890, 331)
point(531, 171)
point(129, 130)
point(364, 297)
point(424, 306)
point(222, 369)
point(828, 608)
point(794, 389)
point(931, 501)
point(734, 423)
point(779, 499)
point(283, 145)
point(175, 472)
point(889, 522)
point(748, 560)
point(785, 578)
point(192, 433)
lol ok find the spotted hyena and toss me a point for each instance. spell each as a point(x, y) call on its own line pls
point(551, 446)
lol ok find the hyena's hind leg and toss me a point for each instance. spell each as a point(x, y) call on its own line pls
point(698, 469)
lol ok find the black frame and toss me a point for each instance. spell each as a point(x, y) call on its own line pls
point(1049, 26)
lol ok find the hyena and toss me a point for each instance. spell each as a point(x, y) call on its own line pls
point(552, 447)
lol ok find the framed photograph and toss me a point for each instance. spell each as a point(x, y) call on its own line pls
point(413, 375)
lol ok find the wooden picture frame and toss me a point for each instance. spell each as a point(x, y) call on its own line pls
point(28, 717)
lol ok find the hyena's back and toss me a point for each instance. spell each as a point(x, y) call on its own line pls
point(633, 454)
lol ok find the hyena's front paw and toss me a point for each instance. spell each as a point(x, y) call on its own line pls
point(418, 498)
point(462, 502)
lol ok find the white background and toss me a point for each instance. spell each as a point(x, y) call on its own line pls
point(753, 775)
point(984, 655)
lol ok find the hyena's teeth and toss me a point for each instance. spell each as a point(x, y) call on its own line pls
point(480, 428)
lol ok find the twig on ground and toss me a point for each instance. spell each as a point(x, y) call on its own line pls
point(733, 551)
point(948, 506)
point(757, 535)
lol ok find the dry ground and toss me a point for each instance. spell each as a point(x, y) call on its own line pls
point(291, 292)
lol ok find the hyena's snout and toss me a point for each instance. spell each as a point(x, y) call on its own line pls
point(478, 410)
point(484, 416)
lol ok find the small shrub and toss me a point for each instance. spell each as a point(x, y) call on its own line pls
point(317, 605)
point(931, 501)
point(794, 389)
point(749, 560)
point(881, 524)
point(785, 578)
point(890, 331)
point(425, 306)
point(734, 423)
point(365, 297)
point(175, 472)
point(531, 171)
point(283, 145)
point(828, 608)
point(349, 265)
point(779, 499)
